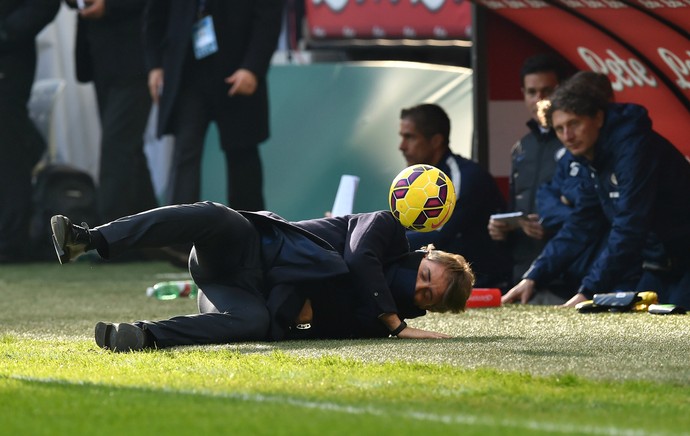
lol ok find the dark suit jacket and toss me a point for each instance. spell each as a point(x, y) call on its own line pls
point(20, 22)
point(343, 259)
point(111, 47)
point(247, 34)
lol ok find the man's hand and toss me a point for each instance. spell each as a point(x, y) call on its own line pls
point(94, 9)
point(413, 333)
point(498, 230)
point(532, 227)
point(392, 321)
point(523, 291)
point(243, 82)
point(577, 298)
point(155, 83)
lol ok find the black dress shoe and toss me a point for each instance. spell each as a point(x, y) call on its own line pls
point(70, 241)
point(121, 337)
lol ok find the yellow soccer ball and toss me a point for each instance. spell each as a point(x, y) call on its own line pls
point(422, 198)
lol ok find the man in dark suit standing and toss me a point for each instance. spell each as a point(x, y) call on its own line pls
point(109, 53)
point(208, 61)
point(20, 144)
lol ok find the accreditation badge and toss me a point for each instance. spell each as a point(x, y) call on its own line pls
point(204, 36)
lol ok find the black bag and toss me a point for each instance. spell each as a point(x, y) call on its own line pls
point(60, 190)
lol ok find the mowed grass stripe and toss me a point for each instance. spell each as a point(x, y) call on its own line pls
point(401, 392)
point(531, 369)
point(387, 417)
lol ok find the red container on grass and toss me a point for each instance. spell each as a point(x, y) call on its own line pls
point(484, 297)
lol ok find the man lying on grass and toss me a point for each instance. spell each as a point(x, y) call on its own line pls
point(263, 278)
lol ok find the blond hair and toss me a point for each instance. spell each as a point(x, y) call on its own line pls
point(460, 279)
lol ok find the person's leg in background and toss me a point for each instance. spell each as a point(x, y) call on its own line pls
point(245, 178)
point(16, 164)
point(191, 121)
point(125, 185)
point(680, 289)
point(672, 287)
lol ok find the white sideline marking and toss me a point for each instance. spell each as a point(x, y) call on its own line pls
point(551, 427)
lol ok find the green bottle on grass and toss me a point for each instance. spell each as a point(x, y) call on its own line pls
point(173, 289)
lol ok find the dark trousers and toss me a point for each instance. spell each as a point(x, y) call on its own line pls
point(225, 262)
point(125, 185)
point(672, 287)
point(20, 148)
point(195, 108)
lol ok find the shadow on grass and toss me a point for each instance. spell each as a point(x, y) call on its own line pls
point(340, 343)
point(553, 353)
point(328, 345)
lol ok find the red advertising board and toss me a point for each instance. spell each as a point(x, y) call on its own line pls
point(674, 11)
point(389, 19)
point(588, 46)
point(660, 46)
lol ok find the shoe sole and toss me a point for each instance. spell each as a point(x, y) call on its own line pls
point(102, 332)
point(58, 226)
point(119, 338)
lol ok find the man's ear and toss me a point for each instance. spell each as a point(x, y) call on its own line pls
point(437, 141)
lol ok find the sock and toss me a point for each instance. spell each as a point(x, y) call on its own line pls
point(98, 243)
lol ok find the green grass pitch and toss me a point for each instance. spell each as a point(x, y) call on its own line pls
point(509, 370)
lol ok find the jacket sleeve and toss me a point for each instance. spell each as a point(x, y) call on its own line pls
point(371, 238)
point(582, 222)
point(123, 9)
point(512, 189)
point(154, 28)
point(26, 21)
point(636, 170)
point(583, 227)
point(552, 211)
point(265, 30)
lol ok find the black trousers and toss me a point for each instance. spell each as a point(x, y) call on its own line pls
point(672, 287)
point(20, 148)
point(125, 185)
point(225, 262)
point(195, 108)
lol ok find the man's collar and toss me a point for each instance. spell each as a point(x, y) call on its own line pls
point(537, 128)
